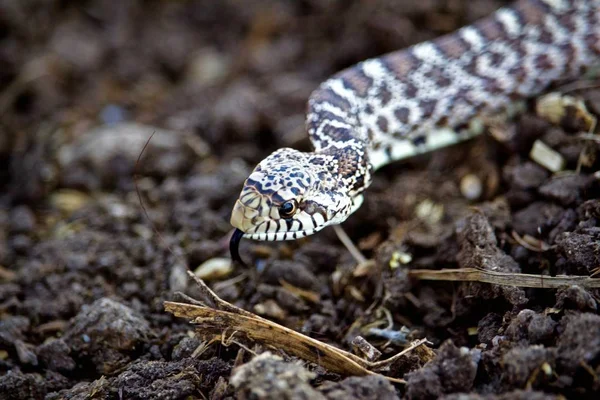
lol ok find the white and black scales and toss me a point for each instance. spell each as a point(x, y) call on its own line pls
point(409, 102)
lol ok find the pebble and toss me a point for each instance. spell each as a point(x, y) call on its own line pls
point(214, 269)
point(178, 279)
point(471, 187)
point(69, 201)
point(547, 157)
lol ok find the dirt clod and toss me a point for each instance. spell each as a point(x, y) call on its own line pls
point(579, 344)
point(55, 355)
point(453, 370)
point(267, 376)
point(478, 246)
point(580, 252)
point(524, 365)
point(566, 190)
point(360, 388)
point(577, 298)
point(109, 333)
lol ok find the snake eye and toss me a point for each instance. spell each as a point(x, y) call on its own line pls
point(287, 209)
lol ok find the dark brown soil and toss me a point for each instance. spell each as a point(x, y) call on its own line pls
point(83, 274)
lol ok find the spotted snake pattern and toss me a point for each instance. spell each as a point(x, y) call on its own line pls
point(408, 102)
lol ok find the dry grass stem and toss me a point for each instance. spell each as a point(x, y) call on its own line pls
point(504, 278)
point(216, 319)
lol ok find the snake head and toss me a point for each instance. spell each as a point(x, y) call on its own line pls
point(290, 195)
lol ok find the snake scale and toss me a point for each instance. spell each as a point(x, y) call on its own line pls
point(409, 102)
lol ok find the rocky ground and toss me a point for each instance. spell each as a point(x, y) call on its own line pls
point(84, 274)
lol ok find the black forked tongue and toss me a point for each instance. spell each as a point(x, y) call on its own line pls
point(234, 245)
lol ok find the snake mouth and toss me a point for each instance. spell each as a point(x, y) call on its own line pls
point(277, 236)
point(246, 220)
point(253, 226)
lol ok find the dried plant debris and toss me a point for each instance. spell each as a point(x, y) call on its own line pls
point(219, 321)
point(504, 279)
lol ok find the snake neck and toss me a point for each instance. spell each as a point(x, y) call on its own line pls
point(345, 170)
point(342, 142)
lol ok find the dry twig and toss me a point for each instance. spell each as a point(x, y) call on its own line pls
point(504, 278)
point(217, 319)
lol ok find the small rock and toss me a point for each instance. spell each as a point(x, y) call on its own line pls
point(240, 107)
point(566, 189)
point(526, 175)
point(200, 251)
point(25, 353)
point(568, 222)
point(169, 380)
point(82, 390)
point(55, 355)
point(575, 297)
point(113, 114)
point(521, 363)
point(471, 187)
point(11, 330)
point(185, 348)
point(269, 377)
point(107, 331)
point(207, 67)
point(536, 216)
point(547, 157)
point(452, 370)
point(519, 326)
point(360, 388)
point(79, 45)
point(478, 246)
point(512, 395)
point(21, 243)
point(589, 209)
point(69, 201)
point(19, 386)
point(270, 309)
point(541, 329)
point(178, 278)
point(214, 269)
point(294, 273)
point(581, 252)
point(488, 327)
point(579, 342)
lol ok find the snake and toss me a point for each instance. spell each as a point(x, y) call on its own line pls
point(408, 102)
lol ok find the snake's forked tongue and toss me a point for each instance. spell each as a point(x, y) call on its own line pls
point(234, 245)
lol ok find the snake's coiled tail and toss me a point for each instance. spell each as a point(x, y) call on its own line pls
point(409, 102)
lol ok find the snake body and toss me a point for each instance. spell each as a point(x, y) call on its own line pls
point(409, 102)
